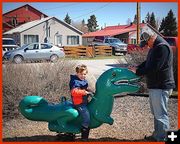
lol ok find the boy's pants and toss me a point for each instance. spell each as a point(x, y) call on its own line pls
point(158, 99)
point(83, 111)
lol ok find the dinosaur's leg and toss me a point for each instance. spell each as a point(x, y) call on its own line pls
point(104, 119)
point(64, 124)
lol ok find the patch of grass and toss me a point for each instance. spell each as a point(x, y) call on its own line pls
point(49, 80)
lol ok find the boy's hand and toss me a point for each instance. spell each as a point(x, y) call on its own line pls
point(87, 92)
point(90, 94)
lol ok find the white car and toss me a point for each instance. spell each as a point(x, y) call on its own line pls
point(34, 52)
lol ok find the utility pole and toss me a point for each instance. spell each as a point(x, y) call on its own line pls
point(138, 23)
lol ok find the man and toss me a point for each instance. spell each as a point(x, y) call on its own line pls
point(158, 69)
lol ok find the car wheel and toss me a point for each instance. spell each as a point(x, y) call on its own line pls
point(18, 59)
point(54, 58)
point(113, 51)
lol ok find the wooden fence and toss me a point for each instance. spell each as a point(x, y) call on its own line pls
point(85, 51)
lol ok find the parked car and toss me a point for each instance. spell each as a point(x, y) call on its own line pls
point(134, 47)
point(35, 51)
point(173, 42)
point(9, 44)
point(117, 45)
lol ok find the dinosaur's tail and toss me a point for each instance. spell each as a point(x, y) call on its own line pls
point(32, 107)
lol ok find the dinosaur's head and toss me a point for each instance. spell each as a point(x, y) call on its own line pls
point(117, 80)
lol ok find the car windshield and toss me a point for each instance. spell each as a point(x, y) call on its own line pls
point(9, 42)
point(24, 46)
point(114, 41)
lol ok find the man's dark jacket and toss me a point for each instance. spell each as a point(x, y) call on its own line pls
point(158, 66)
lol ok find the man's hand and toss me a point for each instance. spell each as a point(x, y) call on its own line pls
point(132, 68)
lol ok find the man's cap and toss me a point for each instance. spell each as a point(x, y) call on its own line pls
point(144, 39)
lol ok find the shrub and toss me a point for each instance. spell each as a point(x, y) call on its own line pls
point(49, 80)
point(135, 58)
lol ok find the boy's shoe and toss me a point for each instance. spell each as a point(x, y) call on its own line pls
point(150, 138)
point(65, 136)
point(85, 133)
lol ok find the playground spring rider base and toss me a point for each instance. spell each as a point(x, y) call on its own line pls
point(63, 118)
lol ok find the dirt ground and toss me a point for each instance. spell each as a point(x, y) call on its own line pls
point(132, 121)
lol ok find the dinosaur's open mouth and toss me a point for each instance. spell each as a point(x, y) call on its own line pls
point(131, 82)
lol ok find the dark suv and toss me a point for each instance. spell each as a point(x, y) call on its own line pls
point(173, 42)
point(9, 44)
point(117, 45)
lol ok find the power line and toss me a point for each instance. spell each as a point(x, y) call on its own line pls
point(62, 6)
point(101, 7)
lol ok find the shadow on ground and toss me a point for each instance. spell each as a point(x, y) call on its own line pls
point(63, 138)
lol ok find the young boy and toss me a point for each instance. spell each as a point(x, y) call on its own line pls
point(79, 91)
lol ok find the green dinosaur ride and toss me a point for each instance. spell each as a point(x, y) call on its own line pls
point(64, 118)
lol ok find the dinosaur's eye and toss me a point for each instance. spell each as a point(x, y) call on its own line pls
point(113, 74)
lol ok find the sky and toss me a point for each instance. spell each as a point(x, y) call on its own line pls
point(107, 14)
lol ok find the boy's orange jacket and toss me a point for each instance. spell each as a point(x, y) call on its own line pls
point(78, 90)
point(77, 95)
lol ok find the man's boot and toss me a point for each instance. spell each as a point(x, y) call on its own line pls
point(85, 133)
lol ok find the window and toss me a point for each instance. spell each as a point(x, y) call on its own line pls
point(106, 40)
point(14, 21)
point(171, 41)
point(8, 42)
point(133, 41)
point(31, 39)
point(46, 46)
point(124, 40)
point(72, 40)
point(33, 46)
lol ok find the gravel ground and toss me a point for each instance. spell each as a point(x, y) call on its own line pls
point(132, 117)
point(132, 121)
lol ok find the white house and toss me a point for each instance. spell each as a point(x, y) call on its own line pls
point(48, 29)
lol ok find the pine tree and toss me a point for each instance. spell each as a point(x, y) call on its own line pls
point(153, 21)
point(161, 28)
point(170, 28)
point(135, 19)
point(92, 24)
point(67, 19)
point(147, 19)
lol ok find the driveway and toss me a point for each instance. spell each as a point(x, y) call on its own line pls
point(97, 67)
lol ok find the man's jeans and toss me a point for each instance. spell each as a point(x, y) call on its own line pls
point(83, 111)
point(158, 99)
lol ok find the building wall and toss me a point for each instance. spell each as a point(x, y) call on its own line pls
point(87, 41)
point(63, 30)
point(21, 15)
point(55, 28)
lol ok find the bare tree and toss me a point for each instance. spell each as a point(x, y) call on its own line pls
point(129, 21)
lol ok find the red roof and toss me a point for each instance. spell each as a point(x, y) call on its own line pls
point(113, 30)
